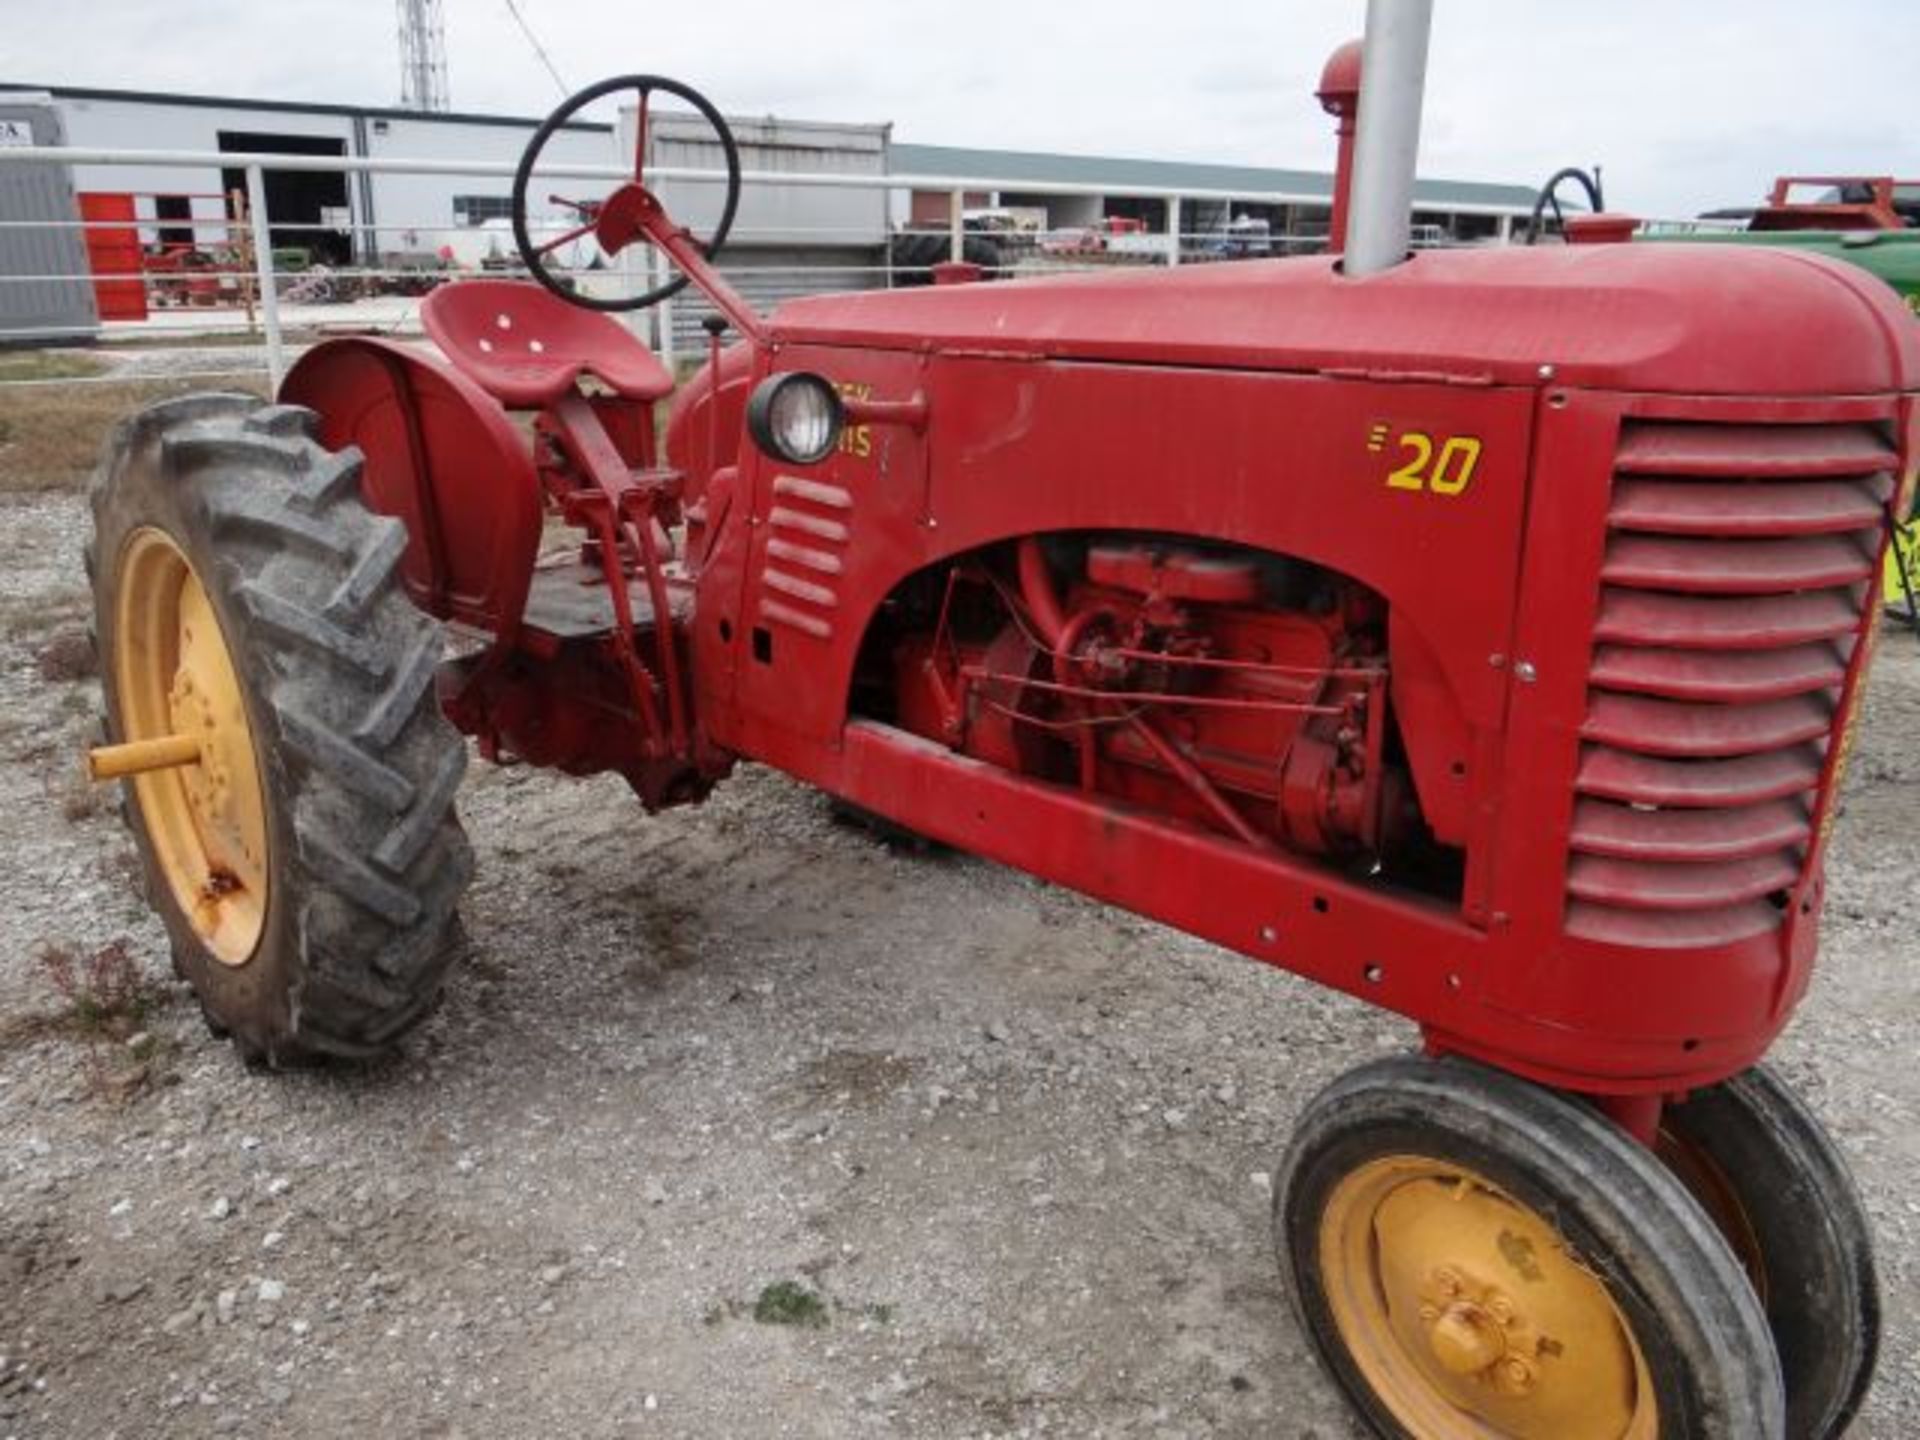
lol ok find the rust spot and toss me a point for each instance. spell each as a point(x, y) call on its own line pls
point(1518, 1252)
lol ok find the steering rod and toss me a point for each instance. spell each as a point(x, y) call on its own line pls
point(633, 212)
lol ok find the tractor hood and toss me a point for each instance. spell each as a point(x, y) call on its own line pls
point(1889, 255)
point(1674, 319)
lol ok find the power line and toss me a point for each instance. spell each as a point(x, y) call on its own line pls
point(538, 49)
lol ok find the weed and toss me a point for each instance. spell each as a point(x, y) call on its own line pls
point(54, 434)
point(83, 798)
point(104, 993)
point(105, 1000)
point(786, 1302)
point(67, 657)
point(215, 340)
point(49, 365)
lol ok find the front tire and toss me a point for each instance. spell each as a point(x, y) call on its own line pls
point(308, 865)
point(1475, 1257)
point(1765, 1169)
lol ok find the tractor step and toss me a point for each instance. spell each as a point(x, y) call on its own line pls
point(571, 602)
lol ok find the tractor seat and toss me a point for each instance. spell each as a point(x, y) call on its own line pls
point(526, 347)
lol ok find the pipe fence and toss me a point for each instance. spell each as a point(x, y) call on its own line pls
point(241, 281)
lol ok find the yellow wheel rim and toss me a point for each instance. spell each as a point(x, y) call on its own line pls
point(1468, 1315)
point(174, 677)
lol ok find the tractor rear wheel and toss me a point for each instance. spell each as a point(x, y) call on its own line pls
point(1475, 1257)
point(1763, 1167)
point(291, 791)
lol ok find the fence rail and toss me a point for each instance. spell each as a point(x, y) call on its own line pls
point(251, 271)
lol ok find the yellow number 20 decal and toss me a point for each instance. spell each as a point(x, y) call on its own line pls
point(1442, 466)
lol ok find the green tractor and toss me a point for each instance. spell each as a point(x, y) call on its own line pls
point(1871, 222)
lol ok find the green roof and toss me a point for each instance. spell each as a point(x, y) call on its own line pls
point(1040, 169)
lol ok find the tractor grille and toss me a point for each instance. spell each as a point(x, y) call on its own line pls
point(808, 531)
point(1738, 559)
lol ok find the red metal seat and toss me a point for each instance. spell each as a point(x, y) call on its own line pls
point(526, 346)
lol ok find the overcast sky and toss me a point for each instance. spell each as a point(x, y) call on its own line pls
point(1688, 104)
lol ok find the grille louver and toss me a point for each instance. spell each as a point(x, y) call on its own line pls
point(1738, 559)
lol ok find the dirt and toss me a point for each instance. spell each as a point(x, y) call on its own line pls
point(735, 1123)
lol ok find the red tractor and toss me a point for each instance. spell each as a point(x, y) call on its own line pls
point(1480, 635)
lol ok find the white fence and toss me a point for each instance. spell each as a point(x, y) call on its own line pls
point(251, 274)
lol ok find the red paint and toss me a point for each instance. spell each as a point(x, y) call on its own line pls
point(1602, 229)
point(1866, 203)
point(1638, 1115)
point(1341, 622)
point(1339, 96)
point(113, 249)
point(527, 347)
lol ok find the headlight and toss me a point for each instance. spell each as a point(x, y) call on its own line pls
point(796, 417)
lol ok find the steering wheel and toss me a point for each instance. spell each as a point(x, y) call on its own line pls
point(614, 237)
point(1549, 197)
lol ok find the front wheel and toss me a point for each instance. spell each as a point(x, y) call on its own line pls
point(269, 693)
point(1475, 1258)
point(1762, 1166)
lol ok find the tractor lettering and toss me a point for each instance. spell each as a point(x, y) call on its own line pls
point(1407, 477)
point(856, 440)
point(1454, 470)
point(1451, 468)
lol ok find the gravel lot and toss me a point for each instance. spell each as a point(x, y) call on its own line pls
point(1018, 1144)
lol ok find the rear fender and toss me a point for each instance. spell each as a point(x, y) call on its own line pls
point(441, 456)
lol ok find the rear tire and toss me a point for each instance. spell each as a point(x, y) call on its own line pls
point(914, 253)
point(357, 767)
point(1476, 1257)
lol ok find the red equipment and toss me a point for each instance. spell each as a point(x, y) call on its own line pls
point(1184, 682)
point(1481, 637)
point(113, 255)
point(1857, 203)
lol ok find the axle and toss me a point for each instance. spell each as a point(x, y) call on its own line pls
point(139, 757)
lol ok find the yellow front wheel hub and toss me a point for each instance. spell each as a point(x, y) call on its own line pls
point(189, 747)
point(1468, 1315)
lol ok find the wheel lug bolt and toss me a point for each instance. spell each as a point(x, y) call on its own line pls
point(1513, 1376)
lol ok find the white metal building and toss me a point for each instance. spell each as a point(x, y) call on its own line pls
point(362, 218)
point(340, 218)
point(788, 239)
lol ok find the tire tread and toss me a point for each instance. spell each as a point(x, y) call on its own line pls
point(362, 763)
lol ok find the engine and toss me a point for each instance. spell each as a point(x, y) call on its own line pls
point(1239, 692)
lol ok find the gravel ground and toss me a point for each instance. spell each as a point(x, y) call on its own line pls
point(1017, 1143)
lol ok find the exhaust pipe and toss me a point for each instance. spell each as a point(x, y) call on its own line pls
point(1394, 69)
point(1339, 96)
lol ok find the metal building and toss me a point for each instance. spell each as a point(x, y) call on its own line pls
point(341, 219)
point(36, 305)
point(1453, 210)
point(787, 240)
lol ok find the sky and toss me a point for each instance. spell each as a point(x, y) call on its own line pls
point(1688, 104)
